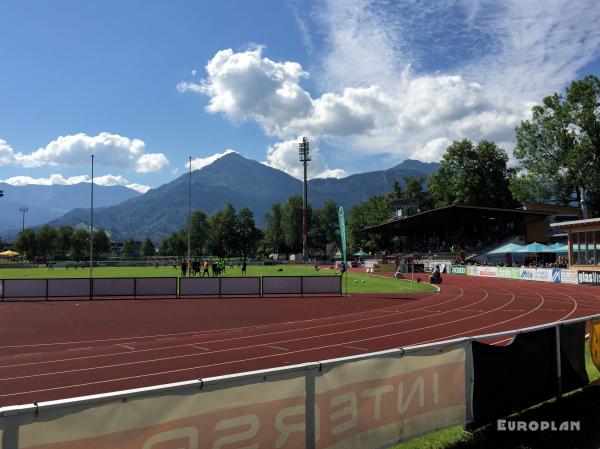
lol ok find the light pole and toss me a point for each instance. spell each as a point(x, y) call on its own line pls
point(189, 226)
point(23, 209)
point(303, 150)
point(92, 221)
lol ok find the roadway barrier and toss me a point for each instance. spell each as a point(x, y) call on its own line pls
point(165, 287)
point(301, 285)
point(367, 401)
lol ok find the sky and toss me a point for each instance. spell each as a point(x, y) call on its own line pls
point(145, 84)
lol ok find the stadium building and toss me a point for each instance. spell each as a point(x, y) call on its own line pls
point(465, 231)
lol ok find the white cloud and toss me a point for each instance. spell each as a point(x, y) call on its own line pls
point(7, 154)
point(201, 162)
point(284, 156)
point(385, 91)
point(58, 179)
point(247, 86)
point(109, 149)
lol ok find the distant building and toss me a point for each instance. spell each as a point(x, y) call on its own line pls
point(583, 239)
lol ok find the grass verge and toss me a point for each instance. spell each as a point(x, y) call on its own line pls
point(357, 282)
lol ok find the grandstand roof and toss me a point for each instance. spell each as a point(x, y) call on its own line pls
point(454, 214)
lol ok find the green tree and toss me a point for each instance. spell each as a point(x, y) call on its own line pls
point(291, 220)
point(198, 232)
point(273, 237)
point(324, 226)
point(101, 243)
point(248, 235)
point(559, 148)
point(148, 249)
point(174, 245)
point(46, 240)
point(222, 232)
point(80, 245)
point(130, 249)
point(373, 211)
point(64, 239)
point(26, 243)
point(416, 193)
point(472, 176)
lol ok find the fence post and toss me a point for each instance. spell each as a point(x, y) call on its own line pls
point(2, 289)
point(220, 280)
point(46, 289)
point(309, 408)
point(134, 288)
point(558, 364)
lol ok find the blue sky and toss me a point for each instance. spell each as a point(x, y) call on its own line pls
point(145, 84)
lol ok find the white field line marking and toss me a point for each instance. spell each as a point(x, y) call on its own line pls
point(249, 336)
point(212, 331)
point(79, 349)
point(354, 330)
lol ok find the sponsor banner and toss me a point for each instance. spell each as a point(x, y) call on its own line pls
point(372, 402)
point(381, 401)
point(470, 270)
point(261, 414)
point(458, 269)
point(538, 274)
point(588, 277)
point(543, 274)
point(516, 273)
point(504, 272)
point(489, 272)
point(556, 275)
point(527, 274)
point(568, 277)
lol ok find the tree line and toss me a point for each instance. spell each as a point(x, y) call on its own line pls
point(228, 233)
point(63, 242)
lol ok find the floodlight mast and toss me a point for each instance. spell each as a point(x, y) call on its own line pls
point(304, 150)
point(23, 209)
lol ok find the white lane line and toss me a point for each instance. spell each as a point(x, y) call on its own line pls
point(349, 331)
point(230, 329)
point(124, 346)
point(199, 347)
point(28, 354)
point(456, 297)
point(277, 347)
point(79, 349)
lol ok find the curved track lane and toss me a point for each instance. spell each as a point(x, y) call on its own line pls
point(57, 350)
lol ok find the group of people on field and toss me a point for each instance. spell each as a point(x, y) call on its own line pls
point(206, 267)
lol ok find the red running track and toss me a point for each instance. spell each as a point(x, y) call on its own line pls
point(53, 350)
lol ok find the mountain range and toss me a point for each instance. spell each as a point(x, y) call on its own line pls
point(49, 202)
point(241, 181)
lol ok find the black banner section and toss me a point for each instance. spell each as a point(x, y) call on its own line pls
point(588, 277)
point(512, 378)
